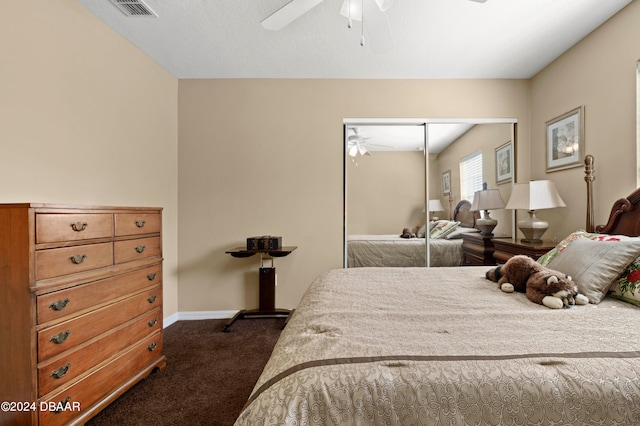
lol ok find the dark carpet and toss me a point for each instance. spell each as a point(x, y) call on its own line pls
point(208, 378)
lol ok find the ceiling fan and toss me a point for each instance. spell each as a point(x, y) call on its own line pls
point(370, 12)
point(358, 145)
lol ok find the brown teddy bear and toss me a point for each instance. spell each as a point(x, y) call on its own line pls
point(406, 233)
point(542, 285)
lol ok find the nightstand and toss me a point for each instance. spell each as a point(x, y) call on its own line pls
point(504, 249)
point(478, 249)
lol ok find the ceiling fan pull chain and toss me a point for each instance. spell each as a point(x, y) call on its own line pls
point(362, 26)
point(350, 23)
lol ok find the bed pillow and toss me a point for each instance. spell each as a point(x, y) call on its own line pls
point(459, 231)
point(442, 228)
point(594, 265)
point(627, 287)
point(422, 232)
point(547, 257)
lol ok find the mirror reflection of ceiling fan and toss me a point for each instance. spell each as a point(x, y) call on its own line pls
point(357, 144)
point(370, 12)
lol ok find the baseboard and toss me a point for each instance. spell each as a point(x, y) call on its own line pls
point(196, 315)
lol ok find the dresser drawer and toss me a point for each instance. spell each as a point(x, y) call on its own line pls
point(67, 302)
point(51, 228)
point(92, 388)
point(69, 260)
point(67, 334)
point(61, 370)
point(136, 224)
point(128, 250)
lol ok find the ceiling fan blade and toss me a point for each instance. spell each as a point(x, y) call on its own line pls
point(385, 5)
point(288, 13)
point(376, 27)
point(479, 1)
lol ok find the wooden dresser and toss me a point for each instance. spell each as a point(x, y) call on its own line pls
point(81, 308)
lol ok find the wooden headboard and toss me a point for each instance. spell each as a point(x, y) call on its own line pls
point(624, 218)
point(464, 215)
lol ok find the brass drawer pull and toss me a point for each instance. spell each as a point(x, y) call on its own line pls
point(60, 372)
point(151, 299)
point(152, 347)
point(140, 223)
point(59, 305)
point(140, 249)
point(78, 226)
point(60, 337)
point(153, 322)
point(151, 276)
point(78, 258)
point(60, 406)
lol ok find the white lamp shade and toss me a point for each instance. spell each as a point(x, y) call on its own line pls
point(535, 195)
point(488, 199)
point(532, 196)
point(435, 206)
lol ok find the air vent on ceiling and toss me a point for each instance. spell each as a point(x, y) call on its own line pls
point(134, 8)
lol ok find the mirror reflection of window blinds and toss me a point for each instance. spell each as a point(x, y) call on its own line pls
point(470, 175)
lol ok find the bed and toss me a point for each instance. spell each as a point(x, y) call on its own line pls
point(393, 250)
point(444, 346)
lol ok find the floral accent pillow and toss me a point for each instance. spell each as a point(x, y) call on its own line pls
point(627, 287)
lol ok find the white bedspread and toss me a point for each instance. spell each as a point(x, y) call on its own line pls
point(418, 346)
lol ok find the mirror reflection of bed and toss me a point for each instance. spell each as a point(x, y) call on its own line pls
point(388, 182)
point(396, 250)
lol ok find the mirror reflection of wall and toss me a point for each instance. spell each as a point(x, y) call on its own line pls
point(386, 188)
point(484, 138)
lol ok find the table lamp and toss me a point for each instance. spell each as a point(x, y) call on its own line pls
point(487, 199)
point(435, 206)
point(532, 196)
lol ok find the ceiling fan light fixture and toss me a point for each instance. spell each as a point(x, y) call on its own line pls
point(352, 10)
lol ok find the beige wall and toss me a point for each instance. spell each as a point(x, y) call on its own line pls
point(385, 192)
point(86, 118)
point(266, 157)
point(598, 73)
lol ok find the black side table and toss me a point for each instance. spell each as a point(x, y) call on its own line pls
point(267, 290)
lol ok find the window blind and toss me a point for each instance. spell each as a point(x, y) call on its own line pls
point(470, 175)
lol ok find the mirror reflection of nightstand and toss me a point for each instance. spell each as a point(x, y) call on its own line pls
point(478, 249)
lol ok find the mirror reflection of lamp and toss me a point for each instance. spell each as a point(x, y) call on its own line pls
point(487, 199)
point(434, 206)
point(532, 196)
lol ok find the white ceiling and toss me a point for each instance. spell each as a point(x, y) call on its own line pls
point(431, 38)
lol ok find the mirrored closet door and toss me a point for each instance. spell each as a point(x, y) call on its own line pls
point(395, 185)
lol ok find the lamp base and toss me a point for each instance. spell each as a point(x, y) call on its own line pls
point(486, 224)
point(533, 228)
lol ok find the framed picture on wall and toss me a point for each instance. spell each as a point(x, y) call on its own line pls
point(504, 163)
point(446, 182)
point(565, 140)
